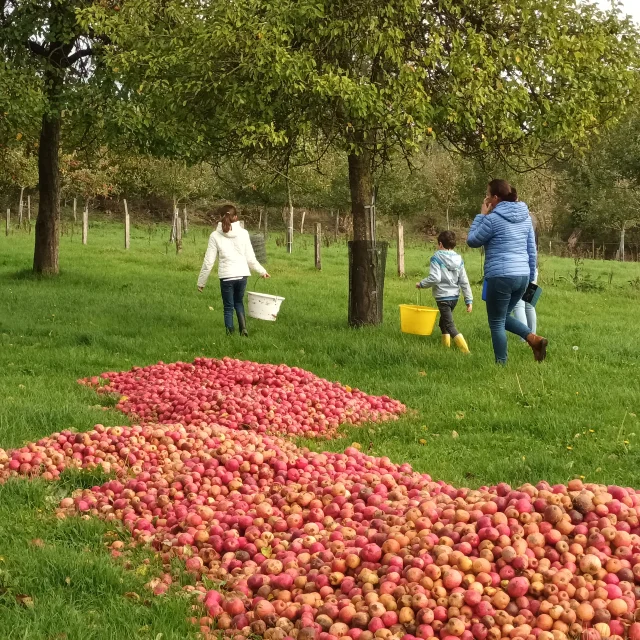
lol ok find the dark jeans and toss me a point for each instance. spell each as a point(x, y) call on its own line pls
point(233, 298)
point(502, 296)
point(446, 323)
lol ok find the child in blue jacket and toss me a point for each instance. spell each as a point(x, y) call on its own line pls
point(447, 276)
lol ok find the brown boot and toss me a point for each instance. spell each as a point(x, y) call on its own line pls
point(538, 345)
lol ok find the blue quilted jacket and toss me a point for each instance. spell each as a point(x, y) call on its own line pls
point(509, 241)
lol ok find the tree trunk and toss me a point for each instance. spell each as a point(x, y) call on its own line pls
point(45, 255)
point(366, 262)
point(361, 187)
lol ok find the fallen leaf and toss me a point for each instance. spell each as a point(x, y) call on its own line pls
point(422, 373)
point(266, 552)
point(459, 415)
point(25, 600)
point(37, 543)
point(132, 595)
point(210, 308)
point(356, 445)
point(422, 441)
point(454, 435)
point(68, 580)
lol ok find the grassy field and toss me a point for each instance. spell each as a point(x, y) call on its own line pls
point(470, 422)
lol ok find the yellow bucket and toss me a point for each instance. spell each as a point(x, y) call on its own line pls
point(417, 320)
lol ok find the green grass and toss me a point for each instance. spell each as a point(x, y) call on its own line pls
point(469, 422)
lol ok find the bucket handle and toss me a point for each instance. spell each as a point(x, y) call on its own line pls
point(255, 282)
point(419, 298)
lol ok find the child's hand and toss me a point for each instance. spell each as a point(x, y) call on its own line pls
point(469, 308)
point(418, 285)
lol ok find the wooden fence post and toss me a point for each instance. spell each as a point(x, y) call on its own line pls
point(318, 244)
point(20, 207)
point(593, 249)
point(401, 272)
point(290, 226)
point(186, 221)
point(178, 235)
point(337, 223)
point(75, 217)
point(604, 249)
point(127, 226)
point(174, 224)
point(8, 221)
point(260, 220)
point(304, 213)
point(85, 223)
point(266, 224)
point(28, 208)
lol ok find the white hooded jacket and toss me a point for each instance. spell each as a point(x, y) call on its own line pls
point(447, 276)
point(235, 255)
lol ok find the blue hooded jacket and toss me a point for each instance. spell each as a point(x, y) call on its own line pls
point(509, 241)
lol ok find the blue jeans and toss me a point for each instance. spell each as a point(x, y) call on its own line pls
point(502, 296)
point(233, 298)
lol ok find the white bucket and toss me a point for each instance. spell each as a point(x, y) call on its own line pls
point(263, 306)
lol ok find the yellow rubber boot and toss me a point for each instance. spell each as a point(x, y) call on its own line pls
point(446, 340)
point(461, 343)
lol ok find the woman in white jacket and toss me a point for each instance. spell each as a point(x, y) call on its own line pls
point(230, 243)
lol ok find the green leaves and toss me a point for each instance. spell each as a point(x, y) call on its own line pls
point(253, 76)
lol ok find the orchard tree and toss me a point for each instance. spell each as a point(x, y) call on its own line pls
point(53, 58)
point(19, 171)
point(602, 187)
point(88, 180)
point(369, 79)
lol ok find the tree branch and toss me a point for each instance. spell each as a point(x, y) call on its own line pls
point(78, 55)
point(37, 49)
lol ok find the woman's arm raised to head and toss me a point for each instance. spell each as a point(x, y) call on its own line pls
point(481, 231)
point(209, 260)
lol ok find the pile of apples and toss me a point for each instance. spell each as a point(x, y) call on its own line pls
point(341, 546)
point(266, 398)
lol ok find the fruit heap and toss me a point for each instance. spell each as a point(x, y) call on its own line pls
point(266, 398)
point(345, 546)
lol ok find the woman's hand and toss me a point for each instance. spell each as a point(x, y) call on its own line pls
point(265, 275)
point(486, 207)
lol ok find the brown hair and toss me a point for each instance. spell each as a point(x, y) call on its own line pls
point(503, 190)
point(447, 239)
point(227, 215)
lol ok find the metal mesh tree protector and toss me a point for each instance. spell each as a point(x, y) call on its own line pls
point(259, 247)
point(367, 263)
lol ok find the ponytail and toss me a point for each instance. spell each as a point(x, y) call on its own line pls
point(227, 214)
point(503, 190)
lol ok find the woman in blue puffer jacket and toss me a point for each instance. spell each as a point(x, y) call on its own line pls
point(505, 230)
